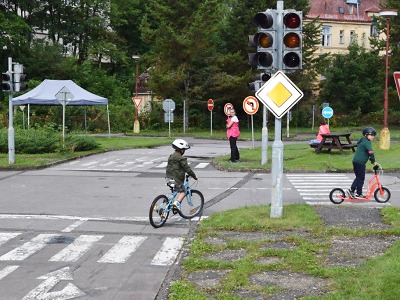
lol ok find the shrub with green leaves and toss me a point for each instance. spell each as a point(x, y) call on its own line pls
point(75, 143)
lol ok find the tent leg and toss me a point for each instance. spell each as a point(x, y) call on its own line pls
point(108, 120)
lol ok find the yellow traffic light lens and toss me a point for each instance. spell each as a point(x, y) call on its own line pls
point(265, 40)
point(292, 60)
point(292, 20)
point(292, 40)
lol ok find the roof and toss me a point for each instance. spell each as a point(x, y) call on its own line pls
point(46, 94)
point(341, 10)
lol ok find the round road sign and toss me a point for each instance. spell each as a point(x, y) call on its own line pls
point(250, 105)
point(327, 112)
point(210, 104)
point(227, 108)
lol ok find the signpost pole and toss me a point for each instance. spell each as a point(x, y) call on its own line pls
point(264, 138)
point(11, 134)
point(211, 121)
point(277, 146)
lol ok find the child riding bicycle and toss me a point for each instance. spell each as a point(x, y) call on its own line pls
point(177, 167)
point(363, 153)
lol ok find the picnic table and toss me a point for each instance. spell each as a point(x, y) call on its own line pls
point(332, 141)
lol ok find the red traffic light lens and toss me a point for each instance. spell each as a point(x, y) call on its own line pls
point(291, 59)
point(292, 40)
point(264, 20)
point(292, 20)
point(265, 77)
point(5, 77)
point(265, 40)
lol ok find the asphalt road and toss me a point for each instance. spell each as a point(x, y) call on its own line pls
point(80, 229)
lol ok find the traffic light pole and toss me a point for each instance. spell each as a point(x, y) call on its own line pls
point(11, 143)
point(277, 146)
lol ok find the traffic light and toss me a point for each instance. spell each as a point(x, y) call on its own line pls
point(292, 40)
point(264, 41)
point(6, 82)
point(19, 78)
point(259, 80)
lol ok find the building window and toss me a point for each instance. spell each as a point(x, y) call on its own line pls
point(352, 36)
point(341, 37)
point(374, 29)
point(326, 36)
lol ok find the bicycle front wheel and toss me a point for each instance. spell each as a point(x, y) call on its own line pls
point(158, 213)
point(192, 205)
point(382, 197)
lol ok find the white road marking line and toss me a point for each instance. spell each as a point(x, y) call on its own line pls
point(121, 252)
point(7, 270)
point(168, 252)
point(6, 236)
point(162, 165)
point(29, 248)
point(201, 165)
point(74, 226)
point(91, 163)
point(79, 247)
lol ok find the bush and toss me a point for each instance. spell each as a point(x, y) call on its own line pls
point(80, 143)
point(45, 140)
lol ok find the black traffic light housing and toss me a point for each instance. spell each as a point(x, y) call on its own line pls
point(264, 41)
point(6, 82)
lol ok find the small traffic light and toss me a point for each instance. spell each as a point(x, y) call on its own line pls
point(259, 80)
point(19, 78)
point(264, 40)
point(6, 82)
point(292, 40)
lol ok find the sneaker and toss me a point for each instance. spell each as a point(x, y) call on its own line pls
point(350, 193)
point(359, 196)
point(177, 205)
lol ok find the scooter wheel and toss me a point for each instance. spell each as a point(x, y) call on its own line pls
point(384, 197)
point(337, 196)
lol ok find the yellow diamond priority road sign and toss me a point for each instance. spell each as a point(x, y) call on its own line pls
point(279, 94)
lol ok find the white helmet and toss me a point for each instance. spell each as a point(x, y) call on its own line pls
point(180, 144)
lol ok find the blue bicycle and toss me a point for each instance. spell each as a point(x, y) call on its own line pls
point(191, 205)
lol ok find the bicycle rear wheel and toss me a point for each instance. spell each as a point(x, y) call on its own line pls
point(158, 213)
point(384, 197)
point(192, 206)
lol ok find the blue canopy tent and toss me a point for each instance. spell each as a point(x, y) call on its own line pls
point(48, 93)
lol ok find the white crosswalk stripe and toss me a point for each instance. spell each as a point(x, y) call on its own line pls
point(123, 250)
point(116, 164)
point(316, 187)
point(76, 248)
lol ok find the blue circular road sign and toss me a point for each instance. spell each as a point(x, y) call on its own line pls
point(327, 112)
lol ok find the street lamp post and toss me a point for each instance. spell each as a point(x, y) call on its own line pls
point(384, 141)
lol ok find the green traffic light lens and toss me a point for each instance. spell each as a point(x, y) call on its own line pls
point(265, 40)
point(265, 59)
point(292, 40)
point(291, 59)
point(292, 20)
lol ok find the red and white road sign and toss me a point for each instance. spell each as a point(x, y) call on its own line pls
point(227, 108)
point(210, 104)
point(136, 101)
point(396, 76)
point(250, 105)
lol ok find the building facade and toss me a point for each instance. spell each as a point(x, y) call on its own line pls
point(344, 22)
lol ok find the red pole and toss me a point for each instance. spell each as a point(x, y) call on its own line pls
point(136, 88)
